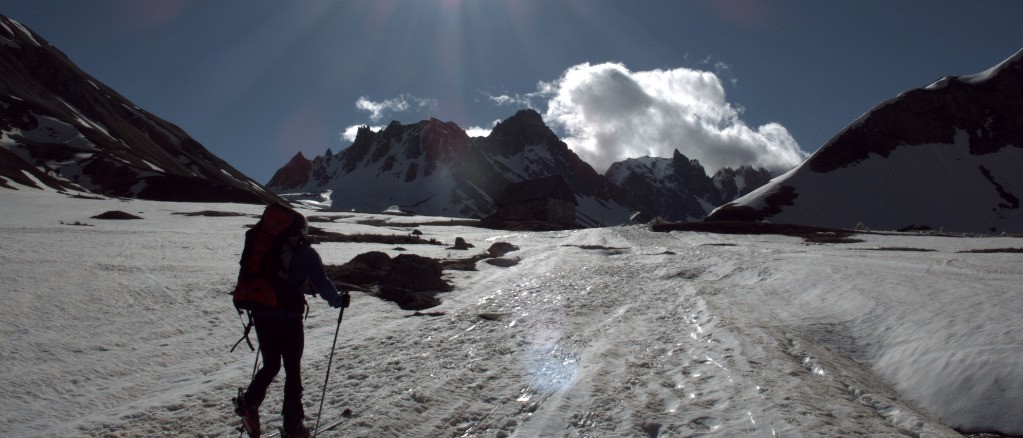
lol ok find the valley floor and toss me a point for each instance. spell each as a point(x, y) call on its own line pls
point(122, 328)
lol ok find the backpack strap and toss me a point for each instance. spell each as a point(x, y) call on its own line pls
point(245, 336)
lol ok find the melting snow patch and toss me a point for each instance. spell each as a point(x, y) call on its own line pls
point(153, 166)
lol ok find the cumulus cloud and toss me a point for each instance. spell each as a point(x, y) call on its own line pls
point(608, 113)
point(477, 131)
point(402, 103)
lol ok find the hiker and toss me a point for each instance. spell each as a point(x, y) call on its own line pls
point(281, 339)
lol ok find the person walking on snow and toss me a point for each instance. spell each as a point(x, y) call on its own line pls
point(281, 339)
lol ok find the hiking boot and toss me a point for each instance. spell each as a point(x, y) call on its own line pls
point(248, 413)
point(298, 431)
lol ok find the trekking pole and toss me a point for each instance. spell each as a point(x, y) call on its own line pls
point(255, 365)
point(259, 350)
point(330, 361)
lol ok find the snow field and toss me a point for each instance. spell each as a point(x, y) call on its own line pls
point(122, 329)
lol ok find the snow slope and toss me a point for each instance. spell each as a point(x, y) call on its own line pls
point(122, 328)
point(943, 156)
point(902, 190)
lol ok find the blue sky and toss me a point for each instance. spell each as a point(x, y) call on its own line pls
point(727, 82)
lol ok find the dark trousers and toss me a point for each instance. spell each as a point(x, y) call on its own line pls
point(280, 340)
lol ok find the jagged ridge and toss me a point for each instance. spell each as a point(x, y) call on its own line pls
point(433, 167)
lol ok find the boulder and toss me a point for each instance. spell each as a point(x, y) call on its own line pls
point(461, 244)
point(501, 248)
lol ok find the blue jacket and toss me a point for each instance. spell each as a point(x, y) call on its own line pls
point(305, 265)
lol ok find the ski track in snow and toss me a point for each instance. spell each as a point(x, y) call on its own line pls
point(122, 329)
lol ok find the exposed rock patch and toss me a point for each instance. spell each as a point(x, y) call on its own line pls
point(503, 262)
point(116, 215)
point(212, 213)
point(411, 281)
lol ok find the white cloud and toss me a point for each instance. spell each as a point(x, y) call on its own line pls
point(725, 70)
point(523, 100)
point(476, 131)
point(402, 103)
point(608, 113)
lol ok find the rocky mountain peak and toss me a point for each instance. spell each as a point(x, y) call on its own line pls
point(526, 117)
point(733, 183)
point(678, 188)
point(295, 173)
point(686, 164)
point(526, 127)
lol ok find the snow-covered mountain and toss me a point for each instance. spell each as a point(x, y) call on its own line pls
point(435, 168)
point(60, 128)
point(678, 188)
point(947, 155)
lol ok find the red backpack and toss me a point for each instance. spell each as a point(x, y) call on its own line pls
point(266, 261)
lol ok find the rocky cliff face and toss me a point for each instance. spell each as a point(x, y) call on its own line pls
point(946, 155)
point(62, 129)
point(678, 188)
point(734, 183)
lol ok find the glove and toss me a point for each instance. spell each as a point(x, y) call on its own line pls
point(343, 301)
